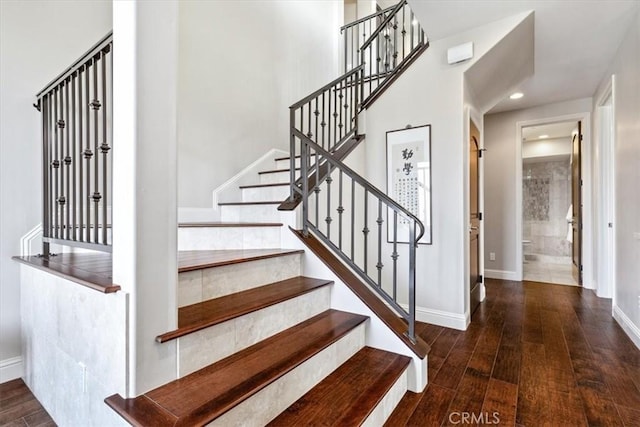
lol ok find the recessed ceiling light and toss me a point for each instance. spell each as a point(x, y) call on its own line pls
point(543, 136)
point(516, 95)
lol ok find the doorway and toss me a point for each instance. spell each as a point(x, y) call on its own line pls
point(551, 203)
point(475, 280)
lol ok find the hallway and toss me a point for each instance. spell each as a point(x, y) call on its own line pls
point(535, 354)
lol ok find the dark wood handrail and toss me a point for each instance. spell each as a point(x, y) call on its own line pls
point(366, 18)
point(383, 25)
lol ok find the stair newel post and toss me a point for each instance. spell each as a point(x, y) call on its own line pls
point(412, 282)
point(292, 151)
point(44, 107)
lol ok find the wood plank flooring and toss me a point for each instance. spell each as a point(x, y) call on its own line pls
point(19, 408)
point(535, 354)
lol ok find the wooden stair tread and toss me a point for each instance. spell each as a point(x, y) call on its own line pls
point(275, 171)
point(277, 184)
point(197, 260)
point(204, 314)
point(223, 224)
point(204, 395)
point(269, 202)
point(386, 314)
point(348, 395)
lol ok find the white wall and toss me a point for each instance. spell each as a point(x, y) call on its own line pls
point(544, 148)
point(38, 40)
point(626, 68)
point(433, 92)
point(241, 65)
point(501, 179)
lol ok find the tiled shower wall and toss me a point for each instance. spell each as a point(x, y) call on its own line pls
point(546, 197)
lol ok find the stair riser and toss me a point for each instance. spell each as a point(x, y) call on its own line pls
point(389, 402)
point(275, 177)
point(265, 405)
point(286, 164)
point(210, 238)
point(201, 285)
point(207, 346)
point(250, 213)
point(265, 194)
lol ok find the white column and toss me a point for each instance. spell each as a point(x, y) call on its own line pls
point(144, 171)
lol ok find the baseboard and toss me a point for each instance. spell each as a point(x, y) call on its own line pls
point(627, 325)
point(442, 318)
point(10, 369)
point(500, 274)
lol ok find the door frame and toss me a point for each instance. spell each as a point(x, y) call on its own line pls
point(605, 167)
point(587, 210)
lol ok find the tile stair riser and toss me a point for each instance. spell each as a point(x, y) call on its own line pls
point(201, 285)
point(268, 403)
point(212, 238)
point(204, 347)
point(260, 194)
point(250, 213)
point(276, 177)
point(383, 410)
point(286, 164)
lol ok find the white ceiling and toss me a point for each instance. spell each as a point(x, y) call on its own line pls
point(553, 131)
point(575, 40)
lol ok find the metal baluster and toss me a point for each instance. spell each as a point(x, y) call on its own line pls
point(316, 113)
point(73, 124)
point(79, 161)
point(404, 30)
point(394, 254)
point(340, 124)
point(56, 165)
point(104, 148)
point(345, 50)
point(96, 194)
point(329, 180)
point(370, 47)
point(87, 152)
point(379, 221)
point(67, 161)
point(340, 210)
point(305, 187)
point(365, 230)
point(412, 281)
point(328, 147)
point(292, 154)
point(309, 133)
point(317, 190)
point(52, 132)
point(395, 41)
point(353, 217)
point(323, 124)
point(347, 116)
point(335, 121)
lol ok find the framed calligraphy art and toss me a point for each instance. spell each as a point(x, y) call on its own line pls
point(409, 179)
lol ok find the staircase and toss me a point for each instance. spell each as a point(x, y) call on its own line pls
point(258, 341)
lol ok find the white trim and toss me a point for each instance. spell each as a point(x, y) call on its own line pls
point(501, 274)
point(587, 220)
point(442, 318)
point(28, 241)
point(627, 325)
point(11, 368)
point(235, 181)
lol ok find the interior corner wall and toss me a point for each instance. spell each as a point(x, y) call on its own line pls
point(241, 65)
point(500, 135)
point(626, 95)
point(38, 40)
point(432, 92)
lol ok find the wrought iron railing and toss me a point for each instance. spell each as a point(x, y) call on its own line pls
point(395, 42)
point(76, 110)
point(355, 33)
point(325, 122)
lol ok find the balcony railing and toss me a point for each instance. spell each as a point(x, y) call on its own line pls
point(76, 113)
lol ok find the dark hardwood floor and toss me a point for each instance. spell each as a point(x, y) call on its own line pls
point(19, 408)
point(534, 355)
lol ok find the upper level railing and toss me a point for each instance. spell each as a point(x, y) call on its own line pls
point(76, 110)
point(339, 206)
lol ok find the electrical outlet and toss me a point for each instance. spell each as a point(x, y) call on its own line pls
point(492, 256)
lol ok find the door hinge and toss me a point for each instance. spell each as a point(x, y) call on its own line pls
point(480, 279)
point(480, 151)
point(580, 137)
point(480, 216)
point(581, 268)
